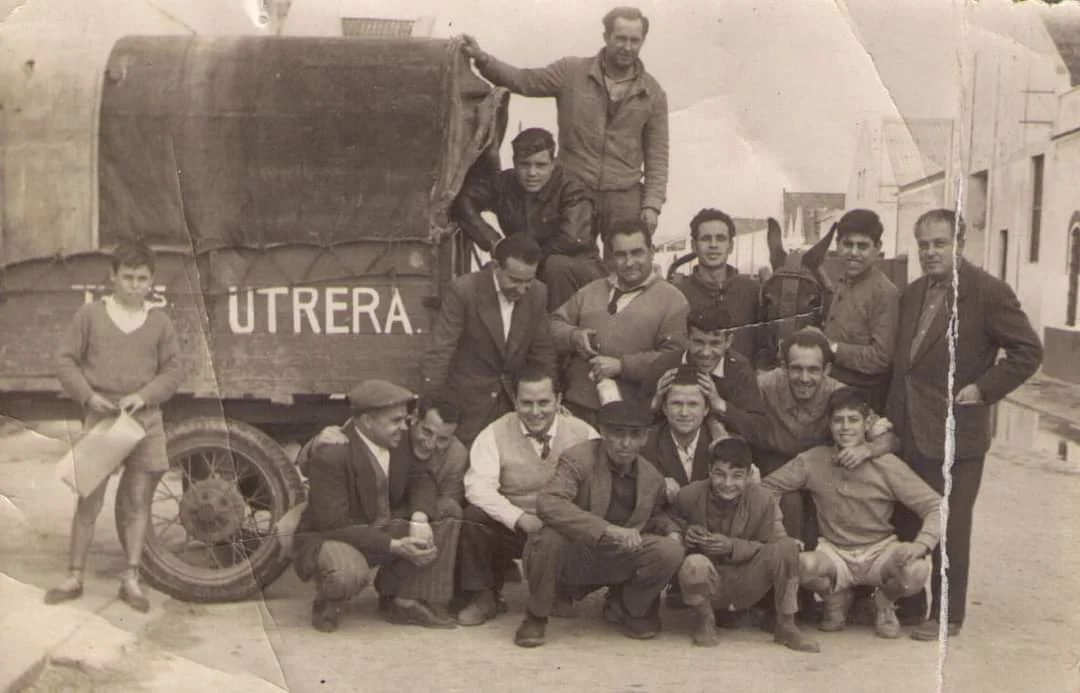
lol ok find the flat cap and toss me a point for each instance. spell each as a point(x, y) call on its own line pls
point(860, 221)
point(627, 413)
point(378, 394)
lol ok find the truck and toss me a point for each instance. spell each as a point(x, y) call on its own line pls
point(297, 192)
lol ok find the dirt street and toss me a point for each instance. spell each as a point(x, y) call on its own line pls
point(1021, 634)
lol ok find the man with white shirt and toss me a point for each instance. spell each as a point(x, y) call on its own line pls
point(510, 461)
point(491, 324)
point(367, 509)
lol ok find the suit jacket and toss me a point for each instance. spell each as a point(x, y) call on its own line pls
point(660, 450)
point(757, 520)
point(576, 498)
point(342, 501)
point(471, 357)
point(989, 318)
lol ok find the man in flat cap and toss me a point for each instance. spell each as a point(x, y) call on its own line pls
point(360, 503)
point(604, 524)
point(862, 317)
point(737, 548)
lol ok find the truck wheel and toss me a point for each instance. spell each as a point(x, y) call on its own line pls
point(211, 535)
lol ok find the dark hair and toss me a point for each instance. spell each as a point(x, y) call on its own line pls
point(133, 253)
point(520, 246)
point(443, 403)
point(808, 338)
point(533, 141)
point(623, 12)
point(628, 228)
point(846, 398)
point(732, 451)
point(863, 222)
point(951, 218)
point(710, 319)
point(710, 214)
point(533, 373)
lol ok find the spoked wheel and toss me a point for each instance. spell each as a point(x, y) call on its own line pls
point(211, 535)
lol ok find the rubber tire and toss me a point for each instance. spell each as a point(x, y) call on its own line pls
point(287, 490)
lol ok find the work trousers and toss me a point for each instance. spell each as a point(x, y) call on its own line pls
point(551, 559)
point(966, 479)
point(741, 585)
point(344, 571)
point(486, 549)
point(565, 274)
point(612, 208)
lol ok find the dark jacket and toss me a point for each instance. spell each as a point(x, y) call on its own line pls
point(660, 450)
point(576, 498)
point(740, 296)
point(342, 501)
point(989, 318)
point(469, 355)
point(608, 146)
point(558, 216)
point(757, 520)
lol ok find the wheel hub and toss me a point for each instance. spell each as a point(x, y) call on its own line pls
point(212, 510)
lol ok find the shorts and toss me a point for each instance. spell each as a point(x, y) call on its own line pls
point(862, 565)
point(149, 455)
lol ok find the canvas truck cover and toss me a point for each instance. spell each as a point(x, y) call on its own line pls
point(209, 142)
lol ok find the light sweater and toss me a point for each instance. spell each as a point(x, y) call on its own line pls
point(97, 356)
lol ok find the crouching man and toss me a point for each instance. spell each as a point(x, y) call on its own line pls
point(854, 505)
point(737, 548)
point(369, 508)
point(605, 523)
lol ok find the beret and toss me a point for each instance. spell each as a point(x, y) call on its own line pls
point(627, 413)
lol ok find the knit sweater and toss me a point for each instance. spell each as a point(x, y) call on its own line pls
point(652, 323)
point(97, 357)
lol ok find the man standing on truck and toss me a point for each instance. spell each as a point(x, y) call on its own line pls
point(491, 324)
point(537, 198)
point(613, 118)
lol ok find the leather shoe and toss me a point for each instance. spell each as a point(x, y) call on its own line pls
point(645, 628)
point(928, 630)
point(325, 615)
point(531, 631)
point(415, 613)
point(480, 610)
point(58, 595)
point(135, 600)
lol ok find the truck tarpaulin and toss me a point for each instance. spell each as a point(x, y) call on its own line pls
point(251, 142)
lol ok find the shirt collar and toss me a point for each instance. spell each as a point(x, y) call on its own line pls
point(550, 432)
point(376, 449)
point(498, 292)
point(613, 282)
point(698, 276)
point(693, 442)
point(718, 371)
point(596, 71)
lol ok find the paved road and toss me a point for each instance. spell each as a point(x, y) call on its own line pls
point(1021, 634)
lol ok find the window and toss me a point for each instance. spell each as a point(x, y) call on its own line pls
point(1036, 206)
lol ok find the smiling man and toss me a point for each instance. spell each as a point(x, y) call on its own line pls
point(537, 198)
point(854, 510)
point(862, 318)
point(737, 549)
point(511, 461)
point(613, 119)
point(716, 284)
point(616, 327)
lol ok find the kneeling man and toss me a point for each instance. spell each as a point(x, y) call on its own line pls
point(858, 545)
point(360, 503)
point(737, 548)
point(604, 524)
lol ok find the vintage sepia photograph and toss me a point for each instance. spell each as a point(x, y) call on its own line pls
point(480, 346)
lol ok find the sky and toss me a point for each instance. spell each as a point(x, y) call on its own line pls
point(765, 95)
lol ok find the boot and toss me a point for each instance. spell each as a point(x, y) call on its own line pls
point(705, 630)
point(789, 635)
point(885, 623)
point(836, 608)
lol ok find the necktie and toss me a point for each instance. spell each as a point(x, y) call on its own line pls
point(545, 443)
point(613, 304)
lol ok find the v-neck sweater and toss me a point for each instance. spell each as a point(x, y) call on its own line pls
point(97, 356)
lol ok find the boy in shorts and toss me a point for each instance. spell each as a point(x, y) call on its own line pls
point(119, 355)
point(854, 505)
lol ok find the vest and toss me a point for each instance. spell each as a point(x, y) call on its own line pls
point(521, 471)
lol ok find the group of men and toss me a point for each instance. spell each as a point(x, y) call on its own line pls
point(609, 427)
